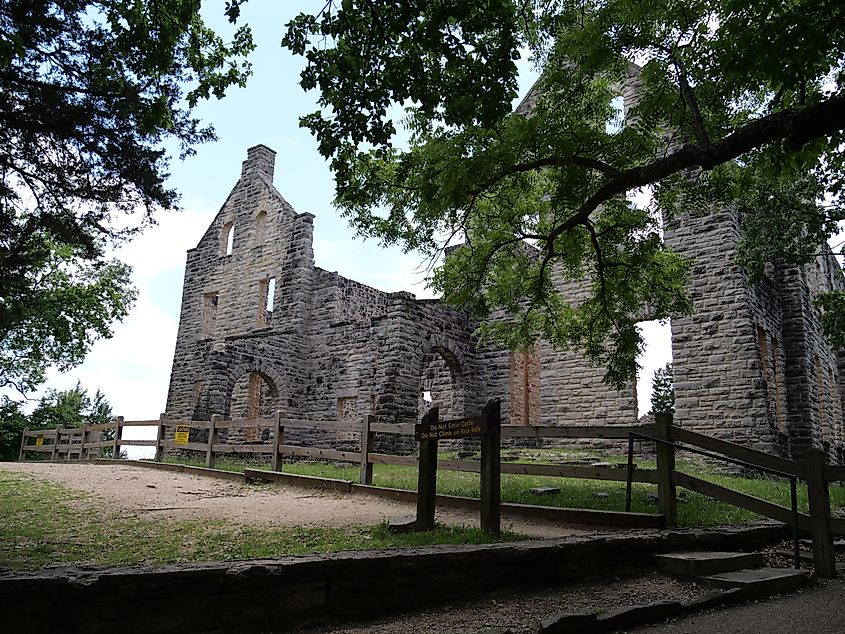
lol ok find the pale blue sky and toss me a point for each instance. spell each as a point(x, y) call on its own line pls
point(133, 368)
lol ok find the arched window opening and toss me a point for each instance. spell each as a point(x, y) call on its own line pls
point(260, 227)
point(228, 240)
point(254, 396)
point(441, 384)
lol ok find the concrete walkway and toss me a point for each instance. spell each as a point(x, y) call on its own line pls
point(817, 610)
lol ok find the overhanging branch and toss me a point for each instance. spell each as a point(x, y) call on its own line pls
point(795, 126)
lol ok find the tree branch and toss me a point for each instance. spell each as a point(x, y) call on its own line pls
point(795, 126)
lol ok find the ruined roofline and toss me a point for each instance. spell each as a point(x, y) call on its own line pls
point(535, 92)
point(260, 164)
point(389, 294)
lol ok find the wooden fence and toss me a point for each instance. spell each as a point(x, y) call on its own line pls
point(77, 443)
point(63, 443)
point(814, 470)
point(819, 523)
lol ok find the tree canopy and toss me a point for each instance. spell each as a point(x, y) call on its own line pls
point(729, 104)
point(91, 91)
point(56, 408)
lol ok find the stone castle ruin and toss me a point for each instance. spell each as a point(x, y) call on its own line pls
point(263, 329)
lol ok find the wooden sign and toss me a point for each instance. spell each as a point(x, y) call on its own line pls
point(487, 425)
point(39, 440)
point(181, 435)
point(455, 428)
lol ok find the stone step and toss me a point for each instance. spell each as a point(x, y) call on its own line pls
point(698, 564)
point(762, 582)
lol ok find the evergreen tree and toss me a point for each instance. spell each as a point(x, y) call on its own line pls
point(663, 391)
point(91, 91)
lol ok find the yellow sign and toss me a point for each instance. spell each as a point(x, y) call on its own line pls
point(181, 436)
point(39, 440)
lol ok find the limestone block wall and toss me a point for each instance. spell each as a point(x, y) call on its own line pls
point(226, 289)
point(752, 365)
point(573, 391)
point(815, 402)
point(719, 381)
point(322, 347)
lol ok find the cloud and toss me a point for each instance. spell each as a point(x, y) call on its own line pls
point(162, 248)
point(657, 353)
point(133, 367)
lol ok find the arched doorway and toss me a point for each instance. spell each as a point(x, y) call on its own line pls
point(441, 383)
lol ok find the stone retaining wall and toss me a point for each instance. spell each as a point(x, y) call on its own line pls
point(277, 595)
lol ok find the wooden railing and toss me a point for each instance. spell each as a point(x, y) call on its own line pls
point(82, 442)
point(63, 443)
point(71, 444)
point(814, 470)
point(366, 456)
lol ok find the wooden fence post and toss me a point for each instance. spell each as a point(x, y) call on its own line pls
point(278, 441)
point(82, 454)
point(491, 469)
point(212, 438)
point(23, 443)
point(56, 443)
point(824, 557)
point(667, 501)
point(427, 477)
point(118, 433)
point(160, 438)
point(366, 444)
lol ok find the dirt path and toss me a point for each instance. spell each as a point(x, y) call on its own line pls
point(146, 492)
point(817, 610)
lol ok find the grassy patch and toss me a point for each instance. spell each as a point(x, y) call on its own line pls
point(693, 510)
point(44, 523)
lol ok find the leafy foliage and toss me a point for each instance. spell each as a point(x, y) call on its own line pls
point(71, 408)
point(67, 305)
point(57, 408)
point(729, 104)
point(12, 423)
point(90, 91)
point(663, 391)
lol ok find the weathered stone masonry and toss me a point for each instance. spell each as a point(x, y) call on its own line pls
point(326, 347)
point(752, 364)
point(263, 329)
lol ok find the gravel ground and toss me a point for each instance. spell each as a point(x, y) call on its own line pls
point(146, 492)
point(521, 611)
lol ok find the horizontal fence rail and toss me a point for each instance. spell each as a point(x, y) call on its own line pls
point(814, 470)
point(91, 441)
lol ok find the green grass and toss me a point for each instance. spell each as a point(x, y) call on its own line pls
point(693, 510)
point(44, 523)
